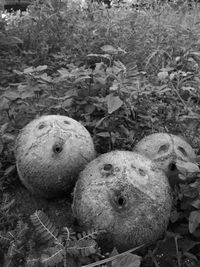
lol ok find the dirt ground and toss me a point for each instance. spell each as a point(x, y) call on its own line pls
point(58, 210)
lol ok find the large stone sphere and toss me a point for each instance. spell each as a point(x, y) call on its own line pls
point(166, 150)
point(125, 194)
point(50, 153)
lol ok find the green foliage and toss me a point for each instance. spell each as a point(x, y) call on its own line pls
point(61, 246)
point(123, 73)
point(44, 227)
point(13, 242)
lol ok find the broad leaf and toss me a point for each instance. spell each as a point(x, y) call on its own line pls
point(196, 203)
point(10, 170)
point(3, 128)
point(194, 220)
point(41, 68)
point(129, 260)
point(109, 49)
point(37, 69)
point(11, 95)
point(29, 70)
point(118, 66)
point(4, 103)
point(113, 103)
point(45, 77)
point(103, 134)
point(162, 75)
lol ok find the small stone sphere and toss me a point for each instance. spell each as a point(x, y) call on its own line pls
point(126, 195)
point(166, 149)
point(50, 152)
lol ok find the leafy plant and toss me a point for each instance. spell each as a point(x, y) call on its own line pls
point(61, 246)
point(123, 72)
point(14, 241)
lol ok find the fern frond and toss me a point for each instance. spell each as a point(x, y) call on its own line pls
point(31, 262)
point(82, 247)
point(52, 256)
point(33, 258)
point(90, 234)
point(21, 230)
point(12, 250)
point(5, 239)
point(65, 235)
point(83, 244)
point(44, 227)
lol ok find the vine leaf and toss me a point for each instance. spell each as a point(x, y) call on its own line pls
point(44, 227)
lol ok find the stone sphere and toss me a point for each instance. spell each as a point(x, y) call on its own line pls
point(50, 152)
point(125, 194)
point(166, 149)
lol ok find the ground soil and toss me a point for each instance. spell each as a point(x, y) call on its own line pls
point(58, 210)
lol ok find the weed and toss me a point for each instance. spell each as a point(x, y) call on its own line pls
point(123, 73)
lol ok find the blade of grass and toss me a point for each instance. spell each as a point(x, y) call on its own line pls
point(114, 257)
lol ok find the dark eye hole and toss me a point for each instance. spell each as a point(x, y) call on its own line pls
point(41, 126)
point(66, 122)
point(142, 172)
point(107, 167)
point(57, 148)
point(172, 167)
point(182, 150)
point(163, 148)
point(121, 201)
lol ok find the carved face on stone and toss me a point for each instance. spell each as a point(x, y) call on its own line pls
point(50, 152)
point(126, 195)
point(166, 150)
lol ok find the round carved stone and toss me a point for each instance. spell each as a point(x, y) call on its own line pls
point(166, 150)
point(126, 195)
point(50, 152)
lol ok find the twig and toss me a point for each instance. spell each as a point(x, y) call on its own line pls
point(177, 251)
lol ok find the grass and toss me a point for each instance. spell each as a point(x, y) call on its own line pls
point(123, 73)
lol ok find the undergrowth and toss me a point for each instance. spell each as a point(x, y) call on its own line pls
point(123, 73)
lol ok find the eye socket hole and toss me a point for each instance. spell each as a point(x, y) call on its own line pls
point(163, 148)
point(107, 167)
point(57, 149)
point(66, 122)
point(172, 167)
point(182, 150)
point(121, 201)
point(41, 126)
point(142, 172)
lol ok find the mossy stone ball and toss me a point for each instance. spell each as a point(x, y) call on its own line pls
point(166, 149)
point(50, 152)
point(126, 195)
